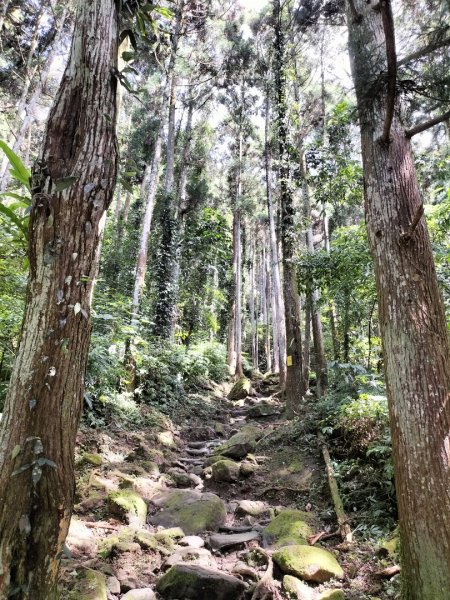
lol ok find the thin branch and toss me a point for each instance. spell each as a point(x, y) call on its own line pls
point(389, 35)
point(427, 124)
point(428, 49)
point(407, 235)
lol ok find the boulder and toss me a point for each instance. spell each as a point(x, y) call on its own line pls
point(289, 527)
point(192, 556)
point(89, 585)
point(308, 563)
point(247, 468)
point(240, 390)
point(191, 510)
point(241, 443)
point(263, 409)
point(180, 477)
point(142, 594)
point(193, 541)
point(128, 506)
point(92, 458)
point(199, 583)
point(253, 508)
point(221, 541)
point(225, 470)
point(296, 589)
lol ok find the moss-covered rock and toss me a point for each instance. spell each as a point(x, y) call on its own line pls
point(290, 527)
point(122, 541)
point(142, 594)
point(240, 444)
point(193, 511)
point(199, 583)
point(165, 438)
point(332, 595)
point(92, 458)
point(213, 459)
point(180, 477)
point(263, 409)
point(248, 468)
point(89, 585)
point(128, 506)
point(240, 390)
point(225, 470)
point(296, 589)
point(308, 563)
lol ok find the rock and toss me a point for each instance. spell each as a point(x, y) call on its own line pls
point(389, 547)
point(296, 589)
point(213, 459)
point(253, 508)
point(288, 528)
point(332, 595)
point(240, 568)
point(89, 585)
point(240, 444)
point(191, 556)
point(80, 540)
point(225, 470)
point(308, 563)
point(191, 510)
point(199, 583)
point(263, 409)
point(180, 477)
point(93, 459)
point(221, 541)
point(122, 541)
point(193, 541)
point(129, 506)
point(247, 468)
point(142, 594)
point(240, 390)
point(165, 438)
point(113, 585)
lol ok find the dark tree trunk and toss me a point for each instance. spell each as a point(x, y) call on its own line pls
point(411, 317)
point(294, 379)
point(44, 401)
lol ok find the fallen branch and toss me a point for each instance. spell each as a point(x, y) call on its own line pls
point(100, 525)
point(323, 535)
point(388, 572)
point(344, 527)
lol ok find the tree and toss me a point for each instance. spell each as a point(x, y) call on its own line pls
point(294, 389)
point(411, 314)
point(71, 186)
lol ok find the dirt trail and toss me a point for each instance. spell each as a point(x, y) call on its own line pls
point(221, 503)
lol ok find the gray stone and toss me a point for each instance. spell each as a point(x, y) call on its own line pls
point(199, 583)
point(221, 541)
point(193, 541)
point(142, 594)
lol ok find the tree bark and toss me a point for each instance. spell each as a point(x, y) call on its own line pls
point(294, 380)
point(412, 324)
point(278, 307)
point(331, 304)
point(43, 406)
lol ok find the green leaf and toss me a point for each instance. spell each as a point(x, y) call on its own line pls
point(64, 183)
point(14, 218)
point(19, 170)
point(127, 55)
point(25, 199)
point(15, 451)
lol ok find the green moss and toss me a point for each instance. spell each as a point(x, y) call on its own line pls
point(92, 459)
point(90, 585)
point(332, 595)
point(240, 444)
point(129, 505)
point(240, 390)
point(225, 470)
point(308, 562)
point(213, 459)
point(294, 588)
point(288, 528)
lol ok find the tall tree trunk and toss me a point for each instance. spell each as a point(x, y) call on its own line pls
point(278, 307)
point(331, 304)
point(43, 406)
point(320, 361)
point(268, 302)
point(307, 343)
point(252, 305)
point(238, 288)
point(148, 191)
point(411, 317)
point(294, 380)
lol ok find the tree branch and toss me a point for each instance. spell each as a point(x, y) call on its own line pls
point(428, 49)
point(427, 124)
point(389, 35)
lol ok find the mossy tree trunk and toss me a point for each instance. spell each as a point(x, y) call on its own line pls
point(411, 316)
point(43, 405)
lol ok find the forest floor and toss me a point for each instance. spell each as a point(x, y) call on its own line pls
point(201, 509)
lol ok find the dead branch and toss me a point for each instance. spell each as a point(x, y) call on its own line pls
point(427, 124)
point(407, 235)
point(265, 588)
point(391, 56)
point(100, 525)
point(428, 49)
point(323, 535)
point(388, 572)
point(344, 527)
